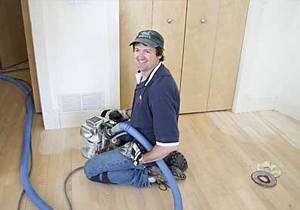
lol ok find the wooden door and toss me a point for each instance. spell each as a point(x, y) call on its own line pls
point(201, 26)
point(229, 38)
point(169, 20)
point(134, 17)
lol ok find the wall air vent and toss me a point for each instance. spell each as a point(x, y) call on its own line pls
point(83, 102)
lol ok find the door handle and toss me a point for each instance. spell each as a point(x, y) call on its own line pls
point(203, 20)
point(169, 20)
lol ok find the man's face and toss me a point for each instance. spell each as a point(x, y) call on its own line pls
point(145, 57)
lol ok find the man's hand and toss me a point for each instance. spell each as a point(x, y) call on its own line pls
point(133, 151)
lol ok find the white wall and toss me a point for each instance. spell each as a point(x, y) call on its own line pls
point(76, 45)
point(270, 67)
point(289, 96)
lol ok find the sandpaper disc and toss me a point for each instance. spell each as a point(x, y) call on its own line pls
point(264, 178)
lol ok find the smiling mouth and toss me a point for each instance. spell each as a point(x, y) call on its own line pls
point(142, 62)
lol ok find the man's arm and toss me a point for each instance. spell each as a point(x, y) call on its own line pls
point(157, 153)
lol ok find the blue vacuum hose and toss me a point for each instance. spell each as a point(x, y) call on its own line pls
point(34, 197)
point(161, 164)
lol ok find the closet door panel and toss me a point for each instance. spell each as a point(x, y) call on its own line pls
point(134, 17)
point(201, 26)
point(169, 19)
point(230, 33)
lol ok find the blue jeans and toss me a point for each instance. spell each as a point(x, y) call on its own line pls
point(113, 167)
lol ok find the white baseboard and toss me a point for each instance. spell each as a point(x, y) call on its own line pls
point(50, 118)
point(248, 104)
point(292, 110)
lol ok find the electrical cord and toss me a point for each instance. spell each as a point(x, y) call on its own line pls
point(7, 67)
point(65, 185)
point(12, 70)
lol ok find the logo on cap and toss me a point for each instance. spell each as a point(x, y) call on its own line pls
point(144, 34)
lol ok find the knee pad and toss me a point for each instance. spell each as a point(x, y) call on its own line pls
point(104, 178)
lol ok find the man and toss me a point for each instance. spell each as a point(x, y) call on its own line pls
point(154, 114)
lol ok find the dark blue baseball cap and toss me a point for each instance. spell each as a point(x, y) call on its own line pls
point(150, 38)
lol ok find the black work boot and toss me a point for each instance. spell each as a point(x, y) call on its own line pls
point(155, 172)
point(176, 159)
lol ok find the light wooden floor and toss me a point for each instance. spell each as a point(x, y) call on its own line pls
point(222, 149)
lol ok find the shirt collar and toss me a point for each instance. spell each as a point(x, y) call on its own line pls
point(138, 75)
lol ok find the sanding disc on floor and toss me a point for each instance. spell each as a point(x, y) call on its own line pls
point(264, 178)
